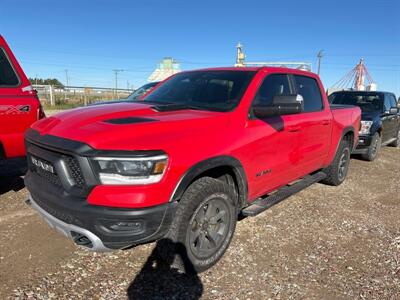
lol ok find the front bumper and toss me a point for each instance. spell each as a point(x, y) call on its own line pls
point(364, 141)
point(74, 174)
point(98, 228)
point(69, 230)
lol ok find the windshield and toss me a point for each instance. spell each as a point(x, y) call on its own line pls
point(141, 91)
point(368, 102)
point(208, 90)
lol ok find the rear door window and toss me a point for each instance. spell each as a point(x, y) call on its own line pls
point(387, 104)
point(8, 77)
point(273, 85)
point(309, 89)
point(393, 101)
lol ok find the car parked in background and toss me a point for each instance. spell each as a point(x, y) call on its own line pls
point(19, 106)
point(380, 123)
point(144, 89)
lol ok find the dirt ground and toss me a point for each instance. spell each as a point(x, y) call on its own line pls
point(323, 243)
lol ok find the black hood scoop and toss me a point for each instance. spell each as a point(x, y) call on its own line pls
point(129, 120)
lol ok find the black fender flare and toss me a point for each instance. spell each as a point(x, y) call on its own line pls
point(376, 128)
point(345, 131)
point(209, 164)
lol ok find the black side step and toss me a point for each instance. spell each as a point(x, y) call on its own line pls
point(268, 201)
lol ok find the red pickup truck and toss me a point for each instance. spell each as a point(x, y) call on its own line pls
point(185, 162)
point(19, 106)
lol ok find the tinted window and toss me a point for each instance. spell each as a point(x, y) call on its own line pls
point(309, 89)
point(392, 100)
point(387, 104)
point(276, 84)
point(142, 90)
point(367, 101)
point(212, 90)
point(7, 74)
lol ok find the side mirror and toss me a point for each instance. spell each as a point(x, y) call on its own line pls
point(281, 105)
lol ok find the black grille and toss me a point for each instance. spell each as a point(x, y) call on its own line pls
point(48, 176)
point(52, 178)
point(75, 171)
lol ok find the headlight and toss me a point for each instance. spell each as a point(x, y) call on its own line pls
point(134, 170)
point(365, 127)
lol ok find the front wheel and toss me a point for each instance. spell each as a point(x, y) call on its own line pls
point(374, 148)
point(203, 226)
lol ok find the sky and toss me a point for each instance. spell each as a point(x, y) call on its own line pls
point(91, 38)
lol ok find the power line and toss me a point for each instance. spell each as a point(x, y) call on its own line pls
point(85, 67)
point(79, 53)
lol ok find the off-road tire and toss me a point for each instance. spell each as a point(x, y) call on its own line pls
point(396, 143)
point(176, 242)
point(333, 172)
point(374, 148)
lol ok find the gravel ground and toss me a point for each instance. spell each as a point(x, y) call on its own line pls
point(323, 243)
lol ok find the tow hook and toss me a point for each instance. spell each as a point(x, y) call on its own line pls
point(28, 202)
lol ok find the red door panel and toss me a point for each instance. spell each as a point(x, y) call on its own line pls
point(271, 154)
point(315, 139)
point(315, 125)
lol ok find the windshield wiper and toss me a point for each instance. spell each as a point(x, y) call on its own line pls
point(175, 106)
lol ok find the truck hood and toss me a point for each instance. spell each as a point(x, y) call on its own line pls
point(131, 126)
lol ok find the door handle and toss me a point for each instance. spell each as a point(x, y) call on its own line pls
point(294, 128)
point(325, 122)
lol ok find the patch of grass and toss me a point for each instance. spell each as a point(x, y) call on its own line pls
point(61, 106)
point(61, 103)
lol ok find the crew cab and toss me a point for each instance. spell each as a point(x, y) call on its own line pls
point(19, 107)
point(380, 119)
point(182, 164)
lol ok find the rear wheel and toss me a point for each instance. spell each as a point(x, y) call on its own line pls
point(336, 173)
point(374, 148)
point(203, 225)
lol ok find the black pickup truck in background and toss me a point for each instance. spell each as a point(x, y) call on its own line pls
point(380, 119)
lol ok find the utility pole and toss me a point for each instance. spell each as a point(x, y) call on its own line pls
point(67, 82)
point(116, 71)
point(319, 56)
point(51, 95)
point(66, 77)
